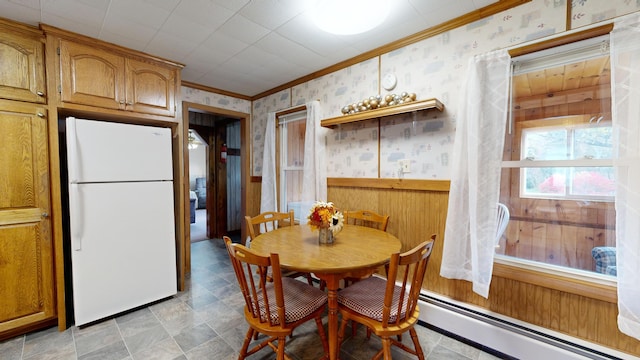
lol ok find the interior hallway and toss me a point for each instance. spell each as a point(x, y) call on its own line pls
point(199, 228)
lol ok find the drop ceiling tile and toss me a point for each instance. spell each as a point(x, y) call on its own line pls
point(243, 29)
point(141, 12)
point(21, 13)
point(302, 31)
point(273, 13)
point(278, 45)
point(168, 5)
point(250, 57)
point(183, 28)
point(233, 5)
point(204, 59)
point(270, 41)
point(127, 31)
point(203, 12)
point(442, 10)
point(122, 40)
point(169, 46)
point(221, 46)
point(33, 4)
point(190, 74)
point(91, 30)
point(88, 13)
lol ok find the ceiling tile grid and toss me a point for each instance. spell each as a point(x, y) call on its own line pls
point(240, 46)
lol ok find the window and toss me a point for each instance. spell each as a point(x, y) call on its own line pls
point(557, 177)
point(573, 146)
point(291, 132)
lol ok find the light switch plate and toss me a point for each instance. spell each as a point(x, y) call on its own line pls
point(405, 165)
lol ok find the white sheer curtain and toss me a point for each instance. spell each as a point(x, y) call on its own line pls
point(314, 178)
point(269, 192)
point(469, 239)
point(625, 74)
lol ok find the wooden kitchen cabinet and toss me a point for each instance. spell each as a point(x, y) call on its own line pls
point(21, 63)
point(98, 77)
point(26, 246)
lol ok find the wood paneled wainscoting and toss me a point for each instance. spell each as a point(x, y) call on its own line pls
point(418, 208)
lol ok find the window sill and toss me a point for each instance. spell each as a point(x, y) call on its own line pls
point(583, 283)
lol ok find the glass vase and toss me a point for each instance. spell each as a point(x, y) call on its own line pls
point(325, 236)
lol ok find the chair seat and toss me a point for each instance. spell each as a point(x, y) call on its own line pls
point(367, 296)
point(301, 299)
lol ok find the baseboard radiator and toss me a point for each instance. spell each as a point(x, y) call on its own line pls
point(506, 337)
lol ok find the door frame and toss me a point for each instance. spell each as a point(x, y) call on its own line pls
point(185, 253)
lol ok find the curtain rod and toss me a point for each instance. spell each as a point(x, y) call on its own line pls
point(291, 109)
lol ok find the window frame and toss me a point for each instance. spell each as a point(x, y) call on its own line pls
point(298, 113)
point(566, 122)
point(588, 284)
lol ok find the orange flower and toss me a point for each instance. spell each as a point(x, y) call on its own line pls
point(325, 215)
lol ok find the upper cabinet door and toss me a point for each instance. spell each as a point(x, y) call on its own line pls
point(91, 76)
point(22, 68)
point(151, 88)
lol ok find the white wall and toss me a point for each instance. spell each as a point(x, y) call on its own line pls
point(434, 67)
point(197, 164)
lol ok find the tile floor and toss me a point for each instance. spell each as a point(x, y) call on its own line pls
point(204, 322)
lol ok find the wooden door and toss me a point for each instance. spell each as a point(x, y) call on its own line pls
point(26, 248)
point(151, 88)
point(22, 66)
point(91, 76)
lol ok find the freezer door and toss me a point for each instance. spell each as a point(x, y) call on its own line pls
point(101, 151)
point(123, 247)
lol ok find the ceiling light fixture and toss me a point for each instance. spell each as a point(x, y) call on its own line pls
point(192, 141)
point(350, 17)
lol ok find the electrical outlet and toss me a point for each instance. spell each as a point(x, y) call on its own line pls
point(405, 166)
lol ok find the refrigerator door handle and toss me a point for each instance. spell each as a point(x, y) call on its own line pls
point(77, 220)
point(73, 161)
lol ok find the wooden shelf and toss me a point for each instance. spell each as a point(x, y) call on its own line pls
point(385, 111)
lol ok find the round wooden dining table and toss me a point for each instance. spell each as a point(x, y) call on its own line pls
point(356, 251)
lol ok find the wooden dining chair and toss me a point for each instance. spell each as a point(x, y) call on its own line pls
point(389, 307)
point(271, 220)
point(267, 221)
point(366, 218)
point(273, 308)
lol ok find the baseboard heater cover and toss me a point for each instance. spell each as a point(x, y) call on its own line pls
point(508, 336)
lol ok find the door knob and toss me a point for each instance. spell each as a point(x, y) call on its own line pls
point(45, 214)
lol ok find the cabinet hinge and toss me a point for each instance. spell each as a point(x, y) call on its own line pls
point(59, 89)
point(58, 50)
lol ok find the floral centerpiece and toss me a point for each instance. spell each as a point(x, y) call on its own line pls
point(325, 216)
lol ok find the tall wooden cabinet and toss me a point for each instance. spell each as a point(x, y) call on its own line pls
point(43, 73)
point(26, 245)
point(96, 77)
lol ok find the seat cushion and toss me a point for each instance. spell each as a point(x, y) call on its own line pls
point(605, 257)
point(366, 297)
point(300, 300)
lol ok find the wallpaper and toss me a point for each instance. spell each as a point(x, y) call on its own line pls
point(587, 12)
point(432, 68)
point(215, 100)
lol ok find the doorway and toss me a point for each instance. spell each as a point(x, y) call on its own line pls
point(218, 182)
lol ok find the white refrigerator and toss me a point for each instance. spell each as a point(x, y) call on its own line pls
point(121, 209)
